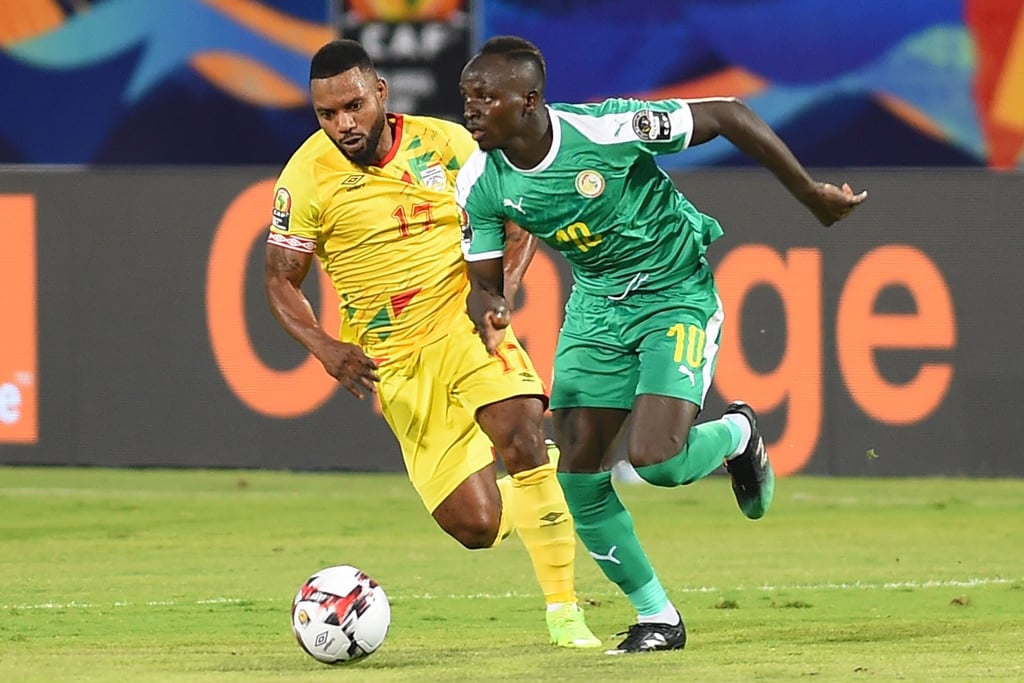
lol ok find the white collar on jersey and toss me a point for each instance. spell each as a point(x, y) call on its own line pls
point(556, 142)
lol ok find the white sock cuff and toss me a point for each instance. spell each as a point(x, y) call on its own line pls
point(744, 425)
point(668, 615)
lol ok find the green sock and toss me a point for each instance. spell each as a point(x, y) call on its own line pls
point(649, 599)
point(706, 447)
point(606, 529)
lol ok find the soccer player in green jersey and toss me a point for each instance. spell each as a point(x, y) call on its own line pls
point(642, 324)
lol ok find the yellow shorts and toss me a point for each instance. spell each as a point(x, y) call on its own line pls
point(430, 403)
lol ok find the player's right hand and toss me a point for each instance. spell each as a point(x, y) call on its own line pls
point(491, 315)
point(350, 366)
point(830, 203)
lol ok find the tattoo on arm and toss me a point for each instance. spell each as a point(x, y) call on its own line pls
point(285, 261)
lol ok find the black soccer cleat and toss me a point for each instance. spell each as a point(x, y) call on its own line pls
point(753, 479)
point(650, 638)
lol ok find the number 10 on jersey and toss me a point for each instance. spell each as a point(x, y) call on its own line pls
point(580, 235)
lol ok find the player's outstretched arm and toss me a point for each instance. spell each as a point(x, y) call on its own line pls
point(283, 273)
point(486, 304)
point(736, 122)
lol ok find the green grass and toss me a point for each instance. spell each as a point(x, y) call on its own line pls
point(123, 575)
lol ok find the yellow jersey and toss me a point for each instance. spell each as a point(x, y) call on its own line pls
point(387, 235)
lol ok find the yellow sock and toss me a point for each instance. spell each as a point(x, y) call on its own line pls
point(534, 501)
point(505, 526)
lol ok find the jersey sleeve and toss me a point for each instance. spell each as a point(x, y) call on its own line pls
point(655, 126)
point(295, 217)
point(483, 226)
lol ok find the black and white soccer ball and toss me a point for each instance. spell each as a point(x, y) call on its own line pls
point(340, 615)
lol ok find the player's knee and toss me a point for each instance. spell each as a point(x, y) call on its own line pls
point(475, 532)
point(651, 451)
point(523, 450)
point(642, 458)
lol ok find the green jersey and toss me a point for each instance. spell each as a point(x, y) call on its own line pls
point(597, 197)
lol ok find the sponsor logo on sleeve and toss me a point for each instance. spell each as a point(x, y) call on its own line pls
point(652, 125)
point(282, 209)
point(467, 229)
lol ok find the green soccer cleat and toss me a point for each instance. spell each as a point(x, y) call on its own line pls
point(568, 628)
point(753, 479)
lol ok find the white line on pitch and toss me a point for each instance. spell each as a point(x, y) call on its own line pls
point(828, 586)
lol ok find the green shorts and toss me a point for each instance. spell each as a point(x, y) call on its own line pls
point(663, 343)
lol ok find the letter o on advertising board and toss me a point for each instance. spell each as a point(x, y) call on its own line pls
point(271, 392)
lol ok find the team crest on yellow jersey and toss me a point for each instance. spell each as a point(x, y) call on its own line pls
point(590, 184)
point(433, 177)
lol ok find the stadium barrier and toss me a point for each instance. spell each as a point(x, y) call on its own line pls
point(135, 330)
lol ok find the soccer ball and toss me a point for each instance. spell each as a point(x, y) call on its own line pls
point(340, 615)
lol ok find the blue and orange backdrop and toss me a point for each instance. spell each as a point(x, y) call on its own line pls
point(873, 83)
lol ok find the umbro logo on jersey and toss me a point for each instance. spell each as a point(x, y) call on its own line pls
point(353, 181)
point(517, 205)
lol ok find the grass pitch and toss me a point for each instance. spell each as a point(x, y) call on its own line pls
point(168, 576)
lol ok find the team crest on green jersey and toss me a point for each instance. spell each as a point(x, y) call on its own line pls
point(590, 184)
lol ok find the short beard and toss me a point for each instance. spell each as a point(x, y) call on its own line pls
point(369, 154)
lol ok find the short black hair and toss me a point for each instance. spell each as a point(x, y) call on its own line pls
point(519, 50)
point(338, 56)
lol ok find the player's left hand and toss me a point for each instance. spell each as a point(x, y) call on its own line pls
point(829, 203)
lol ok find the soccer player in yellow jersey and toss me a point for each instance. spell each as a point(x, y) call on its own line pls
point(371, 194)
